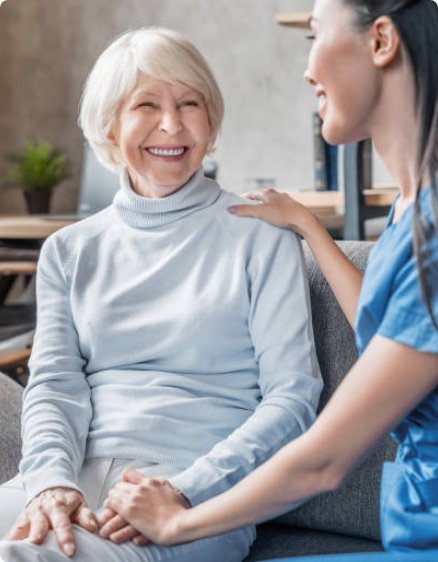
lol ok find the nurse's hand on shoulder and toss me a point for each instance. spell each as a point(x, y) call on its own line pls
point(57, 509)
point(277, 208)
point(149, 505)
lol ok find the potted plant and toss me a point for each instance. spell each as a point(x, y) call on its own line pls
point(38, 168)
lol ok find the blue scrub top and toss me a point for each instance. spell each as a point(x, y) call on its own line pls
point(392, 306)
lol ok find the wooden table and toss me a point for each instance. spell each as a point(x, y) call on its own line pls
point(36, 227)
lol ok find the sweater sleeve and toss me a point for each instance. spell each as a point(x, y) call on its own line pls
point(289, 378)
point(56, 401)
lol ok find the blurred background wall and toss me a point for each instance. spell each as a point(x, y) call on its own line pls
point(47, 48)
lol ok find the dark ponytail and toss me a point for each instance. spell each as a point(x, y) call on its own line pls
point(417, 24)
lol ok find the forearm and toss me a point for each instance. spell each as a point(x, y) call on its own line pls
point(262, 435)
point(344, 278)
point(270, 490)
point(55, 424)
point(369, 402)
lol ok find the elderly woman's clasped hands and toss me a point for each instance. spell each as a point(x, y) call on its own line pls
point(126, 509)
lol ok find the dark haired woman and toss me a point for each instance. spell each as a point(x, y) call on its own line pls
point(374, 66)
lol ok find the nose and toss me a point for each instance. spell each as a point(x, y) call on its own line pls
point(308, 78)
point(170, 121)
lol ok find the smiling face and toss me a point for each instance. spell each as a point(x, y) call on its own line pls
point(163, 132)
point(341, 69)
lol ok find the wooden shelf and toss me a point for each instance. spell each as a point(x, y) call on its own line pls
point(300, 20)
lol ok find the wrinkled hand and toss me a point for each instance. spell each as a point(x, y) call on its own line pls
point(57, 509)
point(276, 208)
point(150, 505)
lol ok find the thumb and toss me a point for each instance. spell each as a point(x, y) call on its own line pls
point(133, 476)
point(20, 530)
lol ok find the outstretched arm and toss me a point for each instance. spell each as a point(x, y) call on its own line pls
point(379, 390)
point(281, 209)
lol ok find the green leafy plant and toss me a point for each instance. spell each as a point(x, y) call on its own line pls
point(38, 167)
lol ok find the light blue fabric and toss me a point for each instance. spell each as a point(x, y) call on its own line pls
point(172, 331)
point(391, 305)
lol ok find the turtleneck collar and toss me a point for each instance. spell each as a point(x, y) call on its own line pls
point(141, 212)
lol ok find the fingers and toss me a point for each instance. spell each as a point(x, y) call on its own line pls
point(117, 496)
point(62, 527)
point(132, 476)
point(39, 527)
point(115, 524)
point(140, 540)
point(20, 530)
point(114, 501)
point(245, 210)
point(104, 516)
point(115, 528)
point(128, 533)
point(86, 519)
point(255, 195)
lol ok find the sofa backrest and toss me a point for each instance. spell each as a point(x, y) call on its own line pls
point(353, 509)
point(10, 413)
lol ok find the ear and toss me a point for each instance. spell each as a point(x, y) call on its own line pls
point(385, 41)
point(112, 137)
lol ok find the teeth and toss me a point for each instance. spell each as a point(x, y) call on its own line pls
point(166, 151)
point(321, 100)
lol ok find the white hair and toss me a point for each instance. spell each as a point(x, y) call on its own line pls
point(160, 53)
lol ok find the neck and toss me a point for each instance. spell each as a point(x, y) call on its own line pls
point(395, 129)
point(144, 212)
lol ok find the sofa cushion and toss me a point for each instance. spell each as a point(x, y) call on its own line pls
point(354, 508)
point(277, 541)
point(10, 441)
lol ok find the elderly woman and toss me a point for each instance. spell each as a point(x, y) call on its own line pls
point(172, 337)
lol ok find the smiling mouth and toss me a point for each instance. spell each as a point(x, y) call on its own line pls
point(167, 152)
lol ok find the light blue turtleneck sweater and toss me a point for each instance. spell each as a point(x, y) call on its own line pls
point(171, 331)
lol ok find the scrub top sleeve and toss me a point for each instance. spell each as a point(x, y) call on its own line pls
point(407, 319)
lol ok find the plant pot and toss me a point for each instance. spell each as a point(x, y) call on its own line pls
point(38, 202)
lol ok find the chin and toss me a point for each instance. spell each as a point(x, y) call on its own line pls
point(341, 136)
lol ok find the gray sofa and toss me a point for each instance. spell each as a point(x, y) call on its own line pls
point(343, 521)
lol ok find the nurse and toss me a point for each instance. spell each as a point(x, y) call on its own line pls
point(374, 68)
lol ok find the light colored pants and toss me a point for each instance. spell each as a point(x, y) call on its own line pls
point(97, 477)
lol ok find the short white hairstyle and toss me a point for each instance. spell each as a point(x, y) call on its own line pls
point(160, 53)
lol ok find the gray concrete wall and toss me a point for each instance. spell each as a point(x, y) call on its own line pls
point(48, 46)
